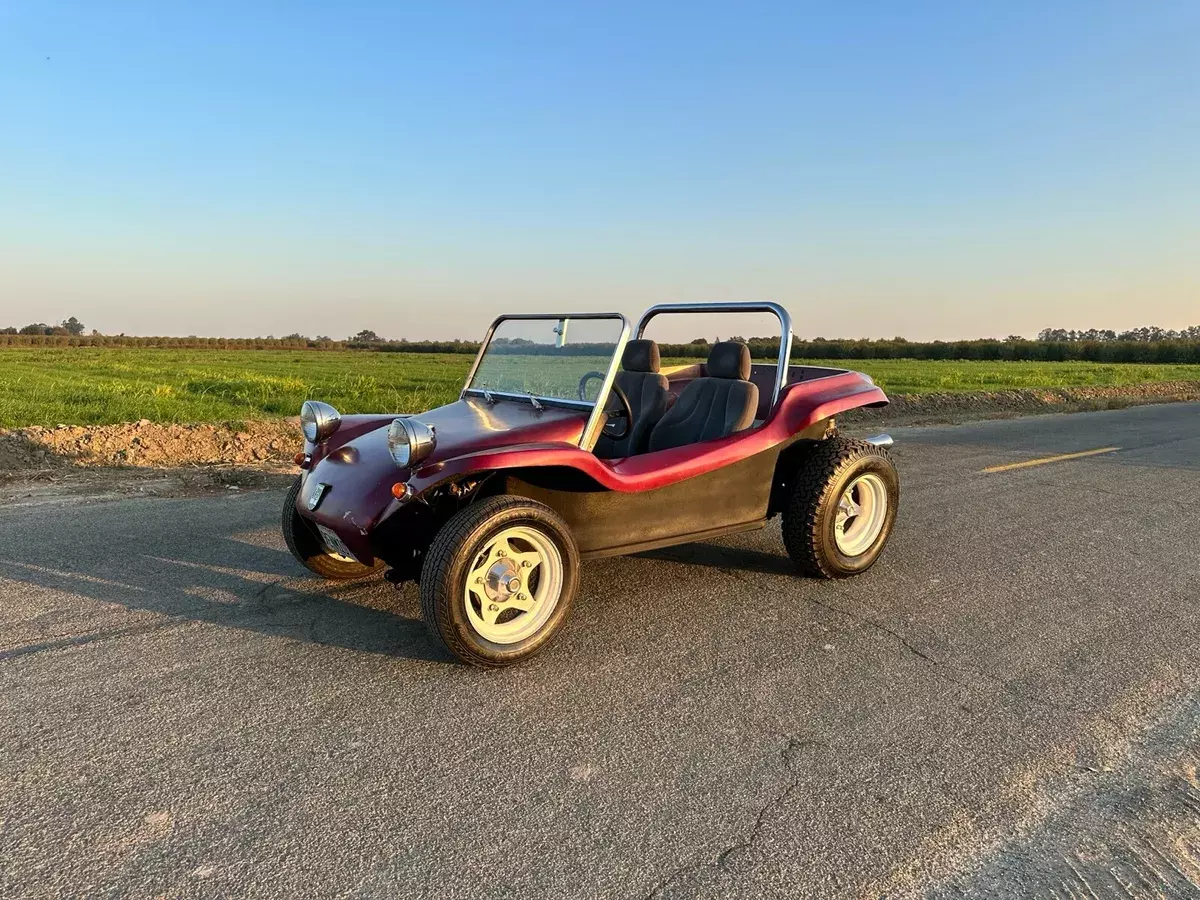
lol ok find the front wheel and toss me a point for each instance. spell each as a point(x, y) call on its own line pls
point(306, 545)
point(841, 509)
point(498, 581)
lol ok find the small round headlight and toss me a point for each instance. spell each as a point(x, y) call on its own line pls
point(318, 421)
point(398, 444)
point(410, 441)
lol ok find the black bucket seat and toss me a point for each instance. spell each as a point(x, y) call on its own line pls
point(647, 391)
point(721, 403)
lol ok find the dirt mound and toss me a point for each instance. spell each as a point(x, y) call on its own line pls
point(960, 406)
point(147, 444)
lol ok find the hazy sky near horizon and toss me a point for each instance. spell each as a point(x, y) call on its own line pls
point(927, 169)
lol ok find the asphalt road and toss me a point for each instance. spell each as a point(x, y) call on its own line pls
point(1006, 705)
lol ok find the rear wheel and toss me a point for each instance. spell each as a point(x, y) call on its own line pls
point(498, 581)
point(306, 545)
point(842, 507)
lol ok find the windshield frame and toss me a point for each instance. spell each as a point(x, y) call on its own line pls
point(591, 431)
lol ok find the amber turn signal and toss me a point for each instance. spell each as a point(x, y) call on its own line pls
point(298, 459)
point(400, 490)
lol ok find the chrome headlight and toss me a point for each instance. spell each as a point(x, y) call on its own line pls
point(410, 441)
point(318, 421)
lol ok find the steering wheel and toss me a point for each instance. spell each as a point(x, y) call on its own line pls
point(583, 383)
point(624, 411)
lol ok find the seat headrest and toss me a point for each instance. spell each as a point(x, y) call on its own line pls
point(640, 356)
point(729, 359)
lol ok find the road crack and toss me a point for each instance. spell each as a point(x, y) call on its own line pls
point(949, 673)
point(879, 626)
point(940, 668)
point(261, 594)
point(737, 857)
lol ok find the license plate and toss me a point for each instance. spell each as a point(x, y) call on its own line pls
point(334, 543)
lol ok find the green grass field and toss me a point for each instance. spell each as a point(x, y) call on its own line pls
point(101, 385)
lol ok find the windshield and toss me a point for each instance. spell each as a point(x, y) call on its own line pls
point(558, 360)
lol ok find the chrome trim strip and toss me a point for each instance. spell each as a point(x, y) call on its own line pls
point(483, 345)
point(785, 325)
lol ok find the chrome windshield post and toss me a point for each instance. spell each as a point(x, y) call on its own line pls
point(591, 431)
point(483, 345)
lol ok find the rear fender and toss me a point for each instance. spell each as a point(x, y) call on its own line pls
point(792, 458)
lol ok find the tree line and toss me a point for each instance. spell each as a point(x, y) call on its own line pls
point(1014, 349)
point(1153, 334)
point(1140, 345)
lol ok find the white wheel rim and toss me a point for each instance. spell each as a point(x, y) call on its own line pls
point(861, 512)
point(513, 586)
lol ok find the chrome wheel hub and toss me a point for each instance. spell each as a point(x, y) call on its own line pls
point(513, 585)
point(502, 581)
point(861, 513)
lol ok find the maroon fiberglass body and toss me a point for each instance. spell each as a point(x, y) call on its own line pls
point(613, 506)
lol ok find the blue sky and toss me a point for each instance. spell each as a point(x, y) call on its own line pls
point(924, 169)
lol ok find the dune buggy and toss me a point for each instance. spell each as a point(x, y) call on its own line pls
point(570, 441)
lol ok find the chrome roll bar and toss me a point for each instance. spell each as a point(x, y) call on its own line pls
point(785, 324)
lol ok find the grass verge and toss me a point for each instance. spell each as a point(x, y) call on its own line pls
point(98, 386)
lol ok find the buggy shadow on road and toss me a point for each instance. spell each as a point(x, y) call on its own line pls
point(237, 579)
point(725, 556)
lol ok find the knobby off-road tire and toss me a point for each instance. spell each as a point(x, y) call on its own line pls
point(811, 516)
point(306, 545)
point(498, 580)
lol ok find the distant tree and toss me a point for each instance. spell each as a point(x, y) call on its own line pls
point(366, 336)
point(73, 326)
point(37, 328)
point(8, 330)
point(1013, 338)
point(703, 341)
point(324, 337)
point(1146, 334)
point(294, 336)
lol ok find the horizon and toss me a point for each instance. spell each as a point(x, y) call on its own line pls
point(933, 172)
point(1105, 334)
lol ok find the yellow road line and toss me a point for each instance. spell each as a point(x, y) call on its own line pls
point(1049, 459)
